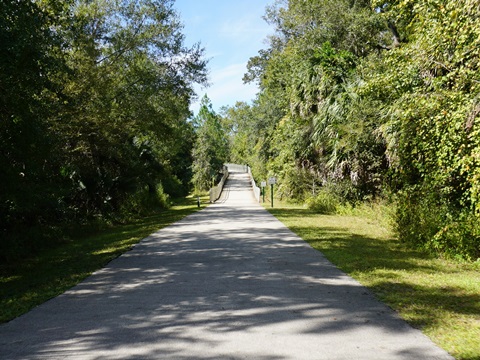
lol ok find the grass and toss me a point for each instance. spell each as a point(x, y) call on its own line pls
point(32, 281)
point(440, 297)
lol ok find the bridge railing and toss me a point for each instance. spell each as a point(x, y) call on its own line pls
point(216, 191)
point(237, 168)
point(255, 188)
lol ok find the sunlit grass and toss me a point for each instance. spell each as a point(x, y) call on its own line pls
point(30, 282)
point(440, 297)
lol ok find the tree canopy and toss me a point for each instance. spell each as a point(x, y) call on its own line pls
point(94, 107)
point(373, 99)
point(210, 150)
point(359, 100)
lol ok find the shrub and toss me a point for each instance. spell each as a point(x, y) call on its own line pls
point(324, 202)
point(418, 218)
point(143, 202)
point(459, 239)
point(426, 222)
point(174, 187)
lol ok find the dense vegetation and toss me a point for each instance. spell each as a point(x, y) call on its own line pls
point(359, 100)
point(94, 103)
point(368, 99)
point(211, 149)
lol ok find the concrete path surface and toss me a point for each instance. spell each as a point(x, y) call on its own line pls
point(228, 282)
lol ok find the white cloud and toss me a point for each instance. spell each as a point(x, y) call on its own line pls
point(229, 72)
point(228, 86)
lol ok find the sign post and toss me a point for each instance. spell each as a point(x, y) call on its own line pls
point(264, 183)
point(272, 181)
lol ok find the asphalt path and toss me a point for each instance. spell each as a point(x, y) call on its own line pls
point(228, 282)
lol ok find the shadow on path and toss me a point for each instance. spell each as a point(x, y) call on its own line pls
point(228, 282)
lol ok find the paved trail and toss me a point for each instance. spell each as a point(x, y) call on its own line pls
point(229, 282)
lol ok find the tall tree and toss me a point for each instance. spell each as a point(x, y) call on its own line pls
point(311, 66)
point(94, 99)
point(131, 91)
point(31, 64)
point(211, 149)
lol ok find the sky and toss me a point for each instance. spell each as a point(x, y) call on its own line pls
point(231, 31)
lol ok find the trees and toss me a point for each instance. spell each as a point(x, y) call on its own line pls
point(311, 67)
point(30, 93)
point(131, 90)
point(94, 107)
point(378, 97)
point(434, 121)
point(210, 150)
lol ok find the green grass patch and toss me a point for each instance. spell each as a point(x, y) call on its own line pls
point(29, 282)
point(438, 296)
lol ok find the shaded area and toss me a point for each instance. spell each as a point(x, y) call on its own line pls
point(58, 269)
point(228, 282)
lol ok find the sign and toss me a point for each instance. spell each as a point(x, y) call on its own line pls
point(264, 183)
point(272, 181)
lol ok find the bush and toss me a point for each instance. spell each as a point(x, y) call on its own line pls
point(459, 239)
point(143, 202)
point(23, 241)
point(174, 187)
point(425, 222)
point(417, 219)
point(347, 192)
point(324, 202)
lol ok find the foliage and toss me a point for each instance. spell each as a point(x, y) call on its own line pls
point(132, 89)
point(29, 97)
point(434, 119)
point(425, 221)
point(324, 202)
point(319, 138)
point(211, 149)
point(376, 98)
point(94, 107)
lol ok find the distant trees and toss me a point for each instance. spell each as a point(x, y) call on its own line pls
point(369, 98)
point(210, 150)
point(94, 99)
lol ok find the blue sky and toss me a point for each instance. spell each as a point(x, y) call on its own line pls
point(231, 31)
